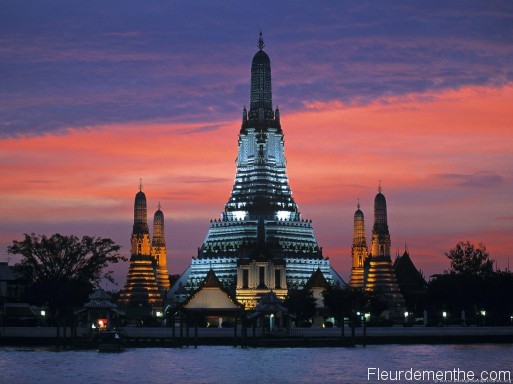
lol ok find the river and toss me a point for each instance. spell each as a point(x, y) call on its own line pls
point(211, 364)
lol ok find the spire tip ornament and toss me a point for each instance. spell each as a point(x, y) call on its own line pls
point(260, 44)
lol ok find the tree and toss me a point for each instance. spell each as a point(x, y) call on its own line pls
point(348, 301)
point(468, 260)
point(63, 270)
point(300, 302)
point(338, 304)
point(471, 288)
point(472, 294)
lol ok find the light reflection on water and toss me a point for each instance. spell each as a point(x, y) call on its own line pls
point(211, 365)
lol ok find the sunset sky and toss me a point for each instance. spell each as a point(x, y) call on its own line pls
point(95, 95)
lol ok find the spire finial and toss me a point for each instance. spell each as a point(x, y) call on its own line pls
point(159, 206)
point(260, 44)
point(379, 187)
point(140, 185)
point(358, 205)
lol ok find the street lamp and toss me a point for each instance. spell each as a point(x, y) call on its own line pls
point(483, 313)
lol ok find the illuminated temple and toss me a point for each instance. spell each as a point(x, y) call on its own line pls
point(261, 242)
point(147, 279)
point(373, 271)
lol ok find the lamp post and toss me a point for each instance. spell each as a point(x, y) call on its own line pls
point(444, 315)
point(483, 313)
point(406, 314)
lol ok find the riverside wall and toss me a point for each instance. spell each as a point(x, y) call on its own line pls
point(293, 337)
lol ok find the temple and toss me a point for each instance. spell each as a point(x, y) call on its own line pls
point(261, 242)
point(374, 271)
point(147, 279)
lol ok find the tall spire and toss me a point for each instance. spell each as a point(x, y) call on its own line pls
point(261, 103)
point(261, 44)
point(158, 228)
point(380, 213)
point(380, 274)
point(159, 250)
point(359, 251)
point(380, 234)
point(261, 241)
point(140, 214)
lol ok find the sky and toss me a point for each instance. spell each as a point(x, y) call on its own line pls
point(96, 95)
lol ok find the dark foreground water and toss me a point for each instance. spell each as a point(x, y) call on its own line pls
point(236, 365)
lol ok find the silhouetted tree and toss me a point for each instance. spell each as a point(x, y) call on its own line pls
point(469, 260)
point(346, 302)
point(338, 304)
point(473, 287)
point(301, 303)
point(63, 270)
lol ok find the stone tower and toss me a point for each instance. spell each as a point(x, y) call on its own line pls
point(380, 276)
point(260, 242)
point(141, 283)
point(158, 250)
point(359, 251)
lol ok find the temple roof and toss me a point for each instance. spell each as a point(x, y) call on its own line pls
point(100, 294)
point(211, 280)
point(407, 273)
point(270, 303)
point(317, 280)
point(211, 296)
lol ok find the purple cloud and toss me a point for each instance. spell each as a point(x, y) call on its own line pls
point(79, 64)
point(479, 179)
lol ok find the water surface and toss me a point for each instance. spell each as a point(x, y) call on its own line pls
point(209, 364)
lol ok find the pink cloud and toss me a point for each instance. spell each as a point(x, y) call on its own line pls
point(336, 154)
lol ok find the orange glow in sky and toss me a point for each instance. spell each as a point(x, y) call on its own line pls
point(445, 162)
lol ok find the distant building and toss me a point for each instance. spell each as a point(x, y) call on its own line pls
point(13, 311)
point(12, 286)
point(317, 284)
point(261, 242)
point(147, 279)
point(100, 312)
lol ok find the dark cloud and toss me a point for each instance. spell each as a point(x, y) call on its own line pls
point(75, 64)
point(205, 128)
point(478, 179)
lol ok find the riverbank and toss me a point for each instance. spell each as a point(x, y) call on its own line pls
point(295, 337)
